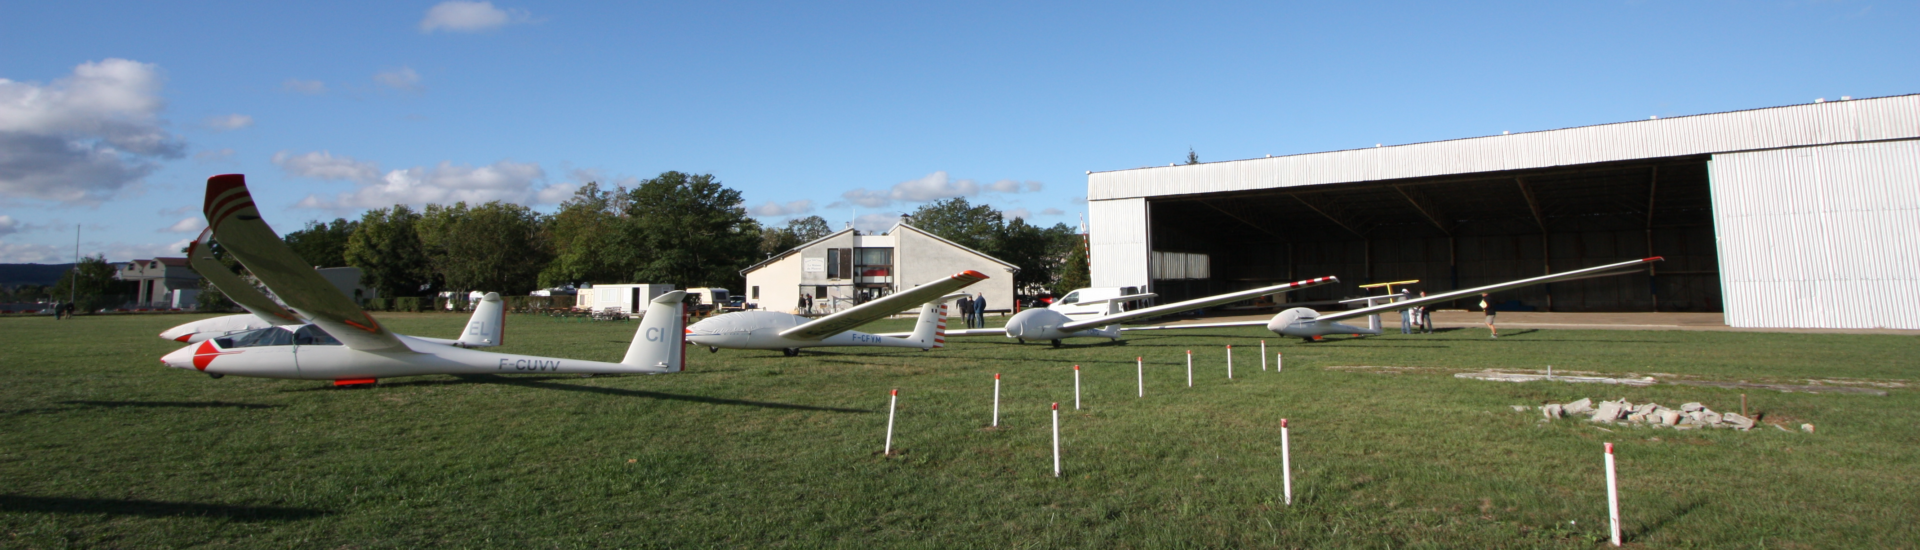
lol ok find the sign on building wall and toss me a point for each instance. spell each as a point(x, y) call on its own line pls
point(814, 265)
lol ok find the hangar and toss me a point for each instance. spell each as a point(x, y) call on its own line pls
point(1803, 216)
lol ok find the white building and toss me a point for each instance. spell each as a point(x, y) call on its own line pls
point(838, 268)
point(162, 282)
point(1795, 216)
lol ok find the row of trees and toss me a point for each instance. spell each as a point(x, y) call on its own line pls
point(686, 229)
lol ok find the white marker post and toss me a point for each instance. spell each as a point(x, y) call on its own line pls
point(1189, 368)
point(1286, 463)
point(1056, 440)
point(996, 400)
point(1140, 374)
point(891, 403)
point(1229, 362)
point(1263, 356)
point(1613, 498)
point(1279, 362)
point(1076, 387)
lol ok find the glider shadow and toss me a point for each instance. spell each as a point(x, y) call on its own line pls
point(153, 508)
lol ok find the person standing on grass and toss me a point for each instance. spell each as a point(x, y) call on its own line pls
point(1424, 316)
point(966, 309)
point(1484, 306)
point(980, 310)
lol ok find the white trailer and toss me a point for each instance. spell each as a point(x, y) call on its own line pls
point(628, 299)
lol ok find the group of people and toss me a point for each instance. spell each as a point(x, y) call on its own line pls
point(1421, 318)
point(975, 309)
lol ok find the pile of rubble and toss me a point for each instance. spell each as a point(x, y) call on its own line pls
point(1687, 417)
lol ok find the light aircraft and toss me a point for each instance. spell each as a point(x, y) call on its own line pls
point(789, 333)
point(1076, 317)
point(1308, 324)
point(487, 327)
point(346, 345)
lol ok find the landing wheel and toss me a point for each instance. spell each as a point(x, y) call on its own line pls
point(1021, 340)
point(713, 349)
point(791, 352)
point(1308, 339)
point(215, 375)
point(1056, 343)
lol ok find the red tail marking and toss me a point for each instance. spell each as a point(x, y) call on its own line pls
point(354, 381)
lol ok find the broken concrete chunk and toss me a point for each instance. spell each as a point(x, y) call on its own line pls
point(1608, 412)
point(1710, 417)
point(1738, 422)
point(1645, 408)
point(1583, 406)
point(1520, 408)
point(1806, 428)
point(1670, 417)
point(1551, 411)
point(1690, 407)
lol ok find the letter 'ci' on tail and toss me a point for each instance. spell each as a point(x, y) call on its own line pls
point(931, 329)
point(658, 344)
point(488, 327)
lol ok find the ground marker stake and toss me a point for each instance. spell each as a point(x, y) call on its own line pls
point(1229, 362)
point(1189, 368)
point(1286, 463)
point(1263, 356)
point(891, 402)
point(996, 400)
point(1140, 374)
point(1279, 362)
point(1056, 440)
point(1076, 387)
point(1613, 498)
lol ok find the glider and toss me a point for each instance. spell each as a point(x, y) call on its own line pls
point(344, 344)
point(1058, 321)
point(1308, 324)
point(789, 333)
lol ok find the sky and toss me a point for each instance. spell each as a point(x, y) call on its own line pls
point(113, 114)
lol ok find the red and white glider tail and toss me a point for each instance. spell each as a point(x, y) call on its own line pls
point(930, 330)
point(657, 343)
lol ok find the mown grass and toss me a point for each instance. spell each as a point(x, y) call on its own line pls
point(103, 447)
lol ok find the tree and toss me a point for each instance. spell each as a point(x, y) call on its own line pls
point(975, 227)
point(1192, 158)
point(796, 232)
point(496, 247)
point(388, 251)
point(92, 285)
point(323, 244)
point(1031, 248)
point(588, 239)
point(691, 231)
point(1075, 273)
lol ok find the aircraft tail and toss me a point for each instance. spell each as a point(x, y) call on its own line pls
point(931, 329)
point(660, 343)
point(488, 327)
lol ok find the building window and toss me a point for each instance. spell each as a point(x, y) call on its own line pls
point(756, 293)
point(833, 263)
point(820, 292)
point(873, 262)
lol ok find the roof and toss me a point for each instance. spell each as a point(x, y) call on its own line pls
point(1848, 121)
point(896, 227)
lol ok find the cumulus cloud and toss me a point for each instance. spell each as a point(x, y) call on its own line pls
point(1052, 212)
point(931, 187)
point(403, 79)
point(86, 137)
point(445, 183)
point(875, 223)
point(771, 209)
point(1020, 213)
point(8, 225)
point(191, 224)
point(224, 123)
point(309, 87)
point(460, 16)
point(323, 165)
point(213, 155)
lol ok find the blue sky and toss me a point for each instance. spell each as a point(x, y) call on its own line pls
point(112, 115)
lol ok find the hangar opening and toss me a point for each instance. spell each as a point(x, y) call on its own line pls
point(1455, 232)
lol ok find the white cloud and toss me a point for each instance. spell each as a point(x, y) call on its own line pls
point(771, 209)
point(114, 251)
point(1020, 213)
point(309, 87)
point(459, 16)
point(556, 193)
point(931, 187)
point(445, 183)
point(86, 137)
point(403, 79)
point(227, 122)
point(213, 155)
point(8, 225)
point(323, 165)
point(1052, 212)
point(192, 224)
point(875, 223)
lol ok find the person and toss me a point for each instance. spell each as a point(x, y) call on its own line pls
point(1484, 306)
point(56, 310)
point(1424, 315)
point(1406, 321)
point(980, 310)
point(966, 309)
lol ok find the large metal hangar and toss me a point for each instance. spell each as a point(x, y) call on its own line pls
point(1797, 216)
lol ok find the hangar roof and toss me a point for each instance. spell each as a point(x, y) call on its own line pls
point(1857, 120)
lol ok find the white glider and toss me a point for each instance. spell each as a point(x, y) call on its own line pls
point(1058, 321)
point(346, 345)
point(789, 333)
point(1308, 324)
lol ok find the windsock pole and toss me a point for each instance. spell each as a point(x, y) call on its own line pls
point(1076, 387)
point(996, 400)
point(1613, 498)
point(892, 405)
point(1263, 356)
point(1229, 362)
point(1140, 374)
point(1056, 440)
point(1286, 463)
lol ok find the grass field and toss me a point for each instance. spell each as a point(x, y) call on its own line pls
point(103, 447)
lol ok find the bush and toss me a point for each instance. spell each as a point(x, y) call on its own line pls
point(377, 304)
point(409, 303)
point(519, 303)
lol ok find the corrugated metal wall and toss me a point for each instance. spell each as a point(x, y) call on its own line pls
point(1791, 126)
point(1117, 242)
point(1820, 237)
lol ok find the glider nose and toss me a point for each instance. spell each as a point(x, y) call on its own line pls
point(180, 359)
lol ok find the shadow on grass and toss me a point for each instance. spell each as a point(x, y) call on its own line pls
point(663, 395)
point(178, 404)
point(1661, 522)
point(153, 508)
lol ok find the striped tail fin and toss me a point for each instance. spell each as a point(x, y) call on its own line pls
point(931, 328)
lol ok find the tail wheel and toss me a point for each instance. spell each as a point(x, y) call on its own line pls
point(215, 375)
point(1056, 343)
point(713, 349)
point(791, 352)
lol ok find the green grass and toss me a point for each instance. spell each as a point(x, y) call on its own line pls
point(103, 447)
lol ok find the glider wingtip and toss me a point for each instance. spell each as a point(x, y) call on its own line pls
point(1654, 259)
point(970, 274)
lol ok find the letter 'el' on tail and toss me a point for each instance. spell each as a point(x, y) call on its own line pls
point(930, 331)
point(658, 345)
point(488, 327)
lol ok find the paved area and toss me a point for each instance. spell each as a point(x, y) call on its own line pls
point(1583, 321)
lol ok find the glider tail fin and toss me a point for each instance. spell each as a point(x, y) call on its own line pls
point(660, 343)
point(931, 329)
point(488, 327)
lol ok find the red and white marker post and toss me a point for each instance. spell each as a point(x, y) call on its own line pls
point(996, 400)
point(1056, 440)
point(1279, 362)
point(1189, 368)
point(1613, 498)
point(1076, 387)
point(1140, 374)
point(1263, 356)
point(1286, 464)
point(1229, 362)
point(892, 402)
